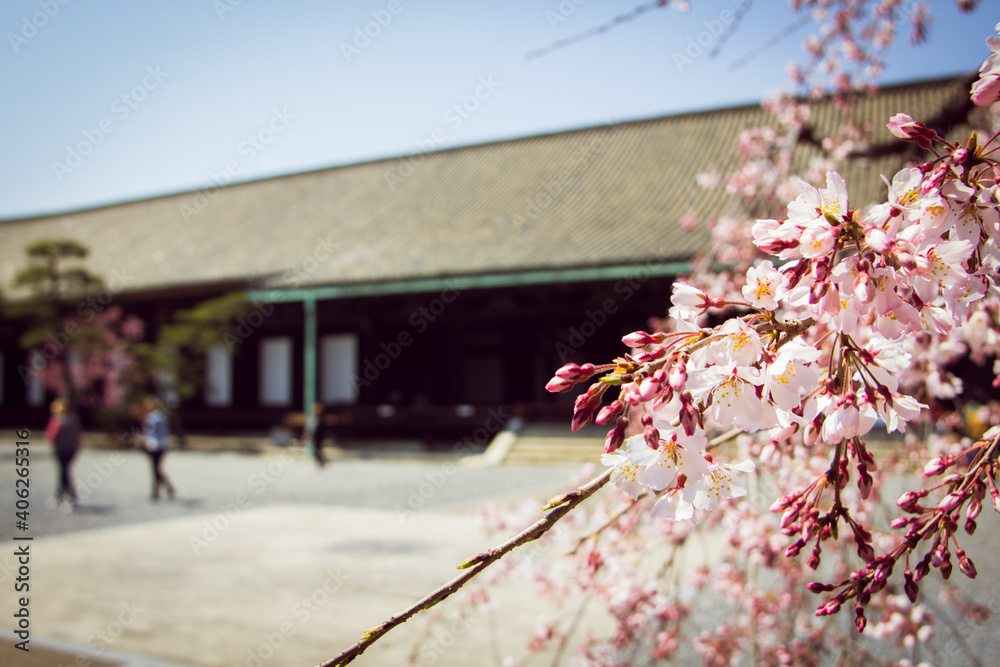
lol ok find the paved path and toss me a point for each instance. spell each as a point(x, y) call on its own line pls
point(266, 560)
point(261, 560)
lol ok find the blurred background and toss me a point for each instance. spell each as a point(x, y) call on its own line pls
point(339, 249)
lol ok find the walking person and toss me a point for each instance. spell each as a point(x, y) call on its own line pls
point(64, 432)
point(317, 429)
point(156, 440)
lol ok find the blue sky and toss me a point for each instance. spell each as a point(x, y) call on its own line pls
point(162, 95)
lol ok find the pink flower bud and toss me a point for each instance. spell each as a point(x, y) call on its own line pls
point(877, 239)
point(570, 372)
point(616, 436)
point(795, 548)
point(864, 288)
point(652, 436)
point(648, 388)
point(910, 587)
point(609, 412)
point(678, 376)
point(904, 127)
point(936, 466)
point(966, 565)
point(689, 418)
point(975, 507)
point(865, 485)
point(831, 607)
point(638, 339)
point(951, 501)
point(558, 385)
point(783, 503)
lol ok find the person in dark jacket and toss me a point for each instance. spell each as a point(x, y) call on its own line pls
point(64, 432)
point(318, 430)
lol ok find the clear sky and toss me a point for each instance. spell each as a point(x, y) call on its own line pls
point(111, 100)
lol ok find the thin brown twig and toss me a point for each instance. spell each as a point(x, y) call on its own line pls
point(604, 526)
point(560, 506)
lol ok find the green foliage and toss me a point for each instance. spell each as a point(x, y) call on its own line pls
point(179, 351)
point(47, 275)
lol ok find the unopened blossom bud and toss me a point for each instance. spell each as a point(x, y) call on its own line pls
point(877, 239)
point(966, 565)
point(910, 587)
point(831, 607)
point(689, 414)
point(586, 404)
point(578, 373)
point(817, 587)
point(864, 288)
point(820, 269)
point(570, 372)
point(648, 388)
point(795, 548)
point(865, 552)
point(652, 436)
point(952, 479)
point(784, 502)
point(975, 507)
point(648, 356)
point(979, 491)
point(630, 394)
point(813, 561)
point(936, 466)
point(678, 376)
point(811, 436)
point(970, 527)
point(951, 501)
point(609, 412)
point(616, 436)
point(936, 179)
point(904, 127)
point(960, 155)
point(790, 516)
point(865, 483)
point(860, 621)
point(901, 522)
point(638, 339)
point(558, 385)
point(817, 291)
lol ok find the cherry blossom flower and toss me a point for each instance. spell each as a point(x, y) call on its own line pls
point(765, 285)
point(739, 344)
point(791, 374)
point(732, 390)
point(721, 482)
point(625, 474)
point(659, 467)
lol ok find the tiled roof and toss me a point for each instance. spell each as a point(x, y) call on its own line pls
point(604, 196)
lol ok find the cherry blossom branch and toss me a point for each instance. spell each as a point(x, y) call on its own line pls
point(560, 506)
point(607, 524)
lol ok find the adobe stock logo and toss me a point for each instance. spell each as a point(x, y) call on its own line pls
point(708, 38)
point(122, 107)
point(363, 38)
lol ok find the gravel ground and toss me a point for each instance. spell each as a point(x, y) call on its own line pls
point(114, 485)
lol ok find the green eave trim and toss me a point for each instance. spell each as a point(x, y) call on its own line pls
point(630, 272)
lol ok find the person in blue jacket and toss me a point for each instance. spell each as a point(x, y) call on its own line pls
point(156, 442)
